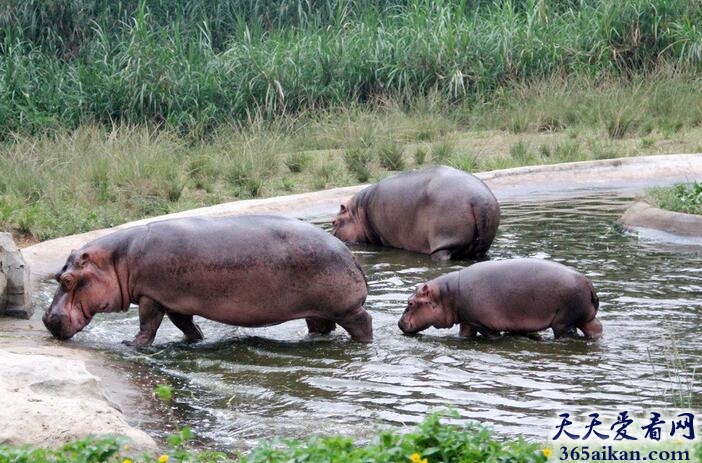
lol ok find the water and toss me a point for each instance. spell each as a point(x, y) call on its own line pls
point(241, 385)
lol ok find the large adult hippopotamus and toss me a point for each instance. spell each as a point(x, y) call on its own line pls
point(440, 211)
point(515, 295)
point(245, 271)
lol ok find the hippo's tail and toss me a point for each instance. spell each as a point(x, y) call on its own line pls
point(593, 297)
point(360, 269)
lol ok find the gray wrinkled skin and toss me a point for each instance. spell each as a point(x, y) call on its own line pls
point(244, 271)
point(440, 211)
point(514, 295)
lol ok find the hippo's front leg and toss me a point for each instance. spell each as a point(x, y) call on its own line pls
point(150, 317)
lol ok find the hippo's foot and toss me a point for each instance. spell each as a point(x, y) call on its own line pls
point(567, 332)
point(186, 324)
point(138, 342)
point(490, 334)
point(592, 329)
point(467, 331)
point(442, 255)
point(320, 325)
point(359, 325)
point(150, 317)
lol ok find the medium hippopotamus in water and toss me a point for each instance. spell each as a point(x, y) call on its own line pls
point(440, 211)
point(516, 295)
point(244, 271)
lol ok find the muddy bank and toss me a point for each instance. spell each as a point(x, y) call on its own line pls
point(22, 339)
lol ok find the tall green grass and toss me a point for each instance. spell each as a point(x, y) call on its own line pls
point(194, 65)
point(70, 181)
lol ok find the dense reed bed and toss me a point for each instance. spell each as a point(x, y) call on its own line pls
point(193, 65)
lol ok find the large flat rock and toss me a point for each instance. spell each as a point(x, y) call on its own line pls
point(48, 400)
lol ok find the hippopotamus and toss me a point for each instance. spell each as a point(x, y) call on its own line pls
point(440, 211)
point(514, 295)
point(244, 271)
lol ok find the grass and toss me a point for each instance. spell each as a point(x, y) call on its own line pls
point(70, 181)
point(197, 64)
point(683, 197)
point(114, 112)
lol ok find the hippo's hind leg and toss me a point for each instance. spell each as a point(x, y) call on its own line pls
point(320, 325)
point(150, 316)
point(359, 325)
point(591, 329)
point(467, 331)
point(186, 324)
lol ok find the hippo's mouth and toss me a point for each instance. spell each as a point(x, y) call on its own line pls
point(407, 327)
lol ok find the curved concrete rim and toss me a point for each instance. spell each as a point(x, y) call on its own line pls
point(659, 224)
point(631, 174)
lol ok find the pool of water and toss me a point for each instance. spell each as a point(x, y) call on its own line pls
point(241, 385)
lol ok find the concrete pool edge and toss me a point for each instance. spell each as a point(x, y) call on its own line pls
point(655, 223)
point(525, 183)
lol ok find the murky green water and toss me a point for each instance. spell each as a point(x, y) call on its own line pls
point(241, 385)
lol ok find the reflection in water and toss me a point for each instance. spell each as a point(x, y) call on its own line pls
point(241, 385)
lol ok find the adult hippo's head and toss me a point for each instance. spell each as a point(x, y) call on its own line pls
point(347, 225)
point(88, 284)
point(424, 309)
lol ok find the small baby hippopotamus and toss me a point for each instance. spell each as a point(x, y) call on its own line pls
point(244, 271)
point(440, 211)
point(515, 295)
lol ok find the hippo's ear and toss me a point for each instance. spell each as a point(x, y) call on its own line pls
point(342, 209)
point(83, 260)
point(423, 290)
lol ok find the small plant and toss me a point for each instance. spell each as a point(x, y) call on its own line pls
point(297, 162)
point(390, 156)
point(646, 143)
point(566, 151)
point(164, 392)
point(545, 150)
point(467, 162)
point(520, 152)
point(357, 160)
point(325, 174)
point(443, 151)
point(683, 197)
point(619, 125)
point(288, 184)
point(420, 155)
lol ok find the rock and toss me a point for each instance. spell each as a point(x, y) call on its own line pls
point(47, 401)
point(15, 295)
point(643, 215)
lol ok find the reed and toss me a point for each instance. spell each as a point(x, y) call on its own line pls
point(195, 65)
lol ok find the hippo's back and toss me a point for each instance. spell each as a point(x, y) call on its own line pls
point(257, 262)
point(433, 209)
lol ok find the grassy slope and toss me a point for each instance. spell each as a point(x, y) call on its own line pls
point(92, 177)
point(115, 111)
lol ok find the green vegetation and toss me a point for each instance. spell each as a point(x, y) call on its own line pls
point(432, 442)
point(194, 64)
point(683, 197)
point(113, 111)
